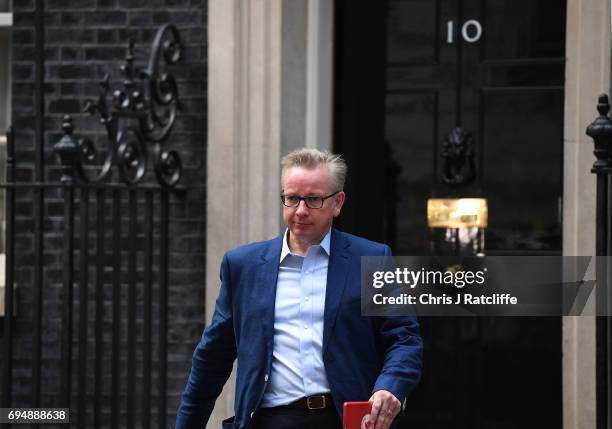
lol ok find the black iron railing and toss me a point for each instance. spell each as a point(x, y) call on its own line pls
point(115, 218)
point(601, 132)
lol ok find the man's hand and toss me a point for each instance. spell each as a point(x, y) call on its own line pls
point(384, 409)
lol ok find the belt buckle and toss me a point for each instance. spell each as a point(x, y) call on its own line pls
point(311, 407)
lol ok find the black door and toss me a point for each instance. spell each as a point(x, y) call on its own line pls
point(407, 73)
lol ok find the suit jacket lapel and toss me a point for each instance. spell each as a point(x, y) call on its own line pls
point(266, 287)
point(337, 270)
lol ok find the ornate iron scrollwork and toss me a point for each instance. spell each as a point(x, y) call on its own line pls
point(458, 158)
point(149, 100)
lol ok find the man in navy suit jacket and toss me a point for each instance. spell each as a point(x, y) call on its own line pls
point(289, 309)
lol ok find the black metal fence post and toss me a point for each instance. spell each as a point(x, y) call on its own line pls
point(163, 308)
point(601, 133)
point(7, 356)
point(39, 205)
point(116, 310)
point(68, 152)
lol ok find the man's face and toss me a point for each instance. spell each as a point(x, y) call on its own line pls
point(306, 224)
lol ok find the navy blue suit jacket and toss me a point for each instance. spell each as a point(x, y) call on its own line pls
point(360, 354)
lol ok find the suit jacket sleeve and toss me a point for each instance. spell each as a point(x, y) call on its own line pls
point(212, 361)
point(401, 347)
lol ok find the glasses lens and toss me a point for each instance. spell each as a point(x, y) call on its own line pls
point(290, 200)
point(314, 202)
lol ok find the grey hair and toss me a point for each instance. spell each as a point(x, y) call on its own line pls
point(312, 158)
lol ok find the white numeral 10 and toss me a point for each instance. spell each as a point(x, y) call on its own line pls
point(464, 31)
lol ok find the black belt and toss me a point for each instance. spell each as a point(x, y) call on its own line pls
point(315, 402)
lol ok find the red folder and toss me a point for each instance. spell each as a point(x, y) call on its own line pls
point(356, 415)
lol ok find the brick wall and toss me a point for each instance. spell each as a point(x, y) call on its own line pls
point(83, 40)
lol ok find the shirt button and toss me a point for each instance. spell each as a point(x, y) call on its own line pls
point(305, 328)
point(306, 299)
point(266, 377)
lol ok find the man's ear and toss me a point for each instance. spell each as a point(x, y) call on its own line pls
point(339, 202)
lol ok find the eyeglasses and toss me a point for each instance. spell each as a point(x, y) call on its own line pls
point(311, 202)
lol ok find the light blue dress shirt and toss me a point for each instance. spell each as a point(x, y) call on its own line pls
point(297, 359)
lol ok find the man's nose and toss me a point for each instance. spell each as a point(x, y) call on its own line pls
point(302, 208)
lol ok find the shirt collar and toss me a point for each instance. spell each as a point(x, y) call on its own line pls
point(325, 244)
